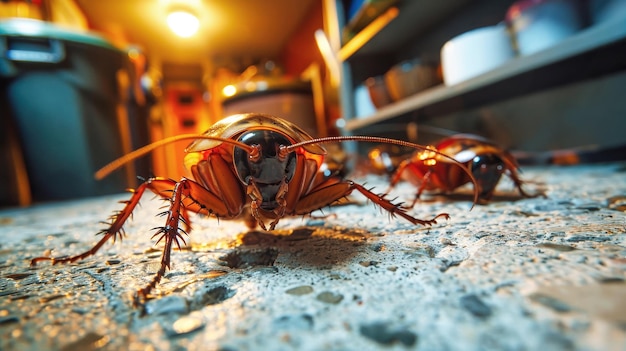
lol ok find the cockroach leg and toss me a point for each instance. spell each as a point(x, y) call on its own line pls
point(171, 233)
point(395, 209)
point(115, 230)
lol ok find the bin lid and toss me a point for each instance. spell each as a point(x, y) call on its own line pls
point(25, 27)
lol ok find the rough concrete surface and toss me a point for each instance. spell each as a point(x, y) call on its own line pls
point(516, 274)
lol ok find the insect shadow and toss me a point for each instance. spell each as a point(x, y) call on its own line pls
point(311, 246)
point(297, 248)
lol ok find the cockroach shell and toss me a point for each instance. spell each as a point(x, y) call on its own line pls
point(235, 124)
point(464, 147)
point(191, 159)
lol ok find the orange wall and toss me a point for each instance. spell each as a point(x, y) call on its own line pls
point(301, 49)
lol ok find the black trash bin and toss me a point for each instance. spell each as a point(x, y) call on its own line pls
point(61, 90)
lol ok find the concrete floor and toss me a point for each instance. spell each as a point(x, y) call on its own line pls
point(517, 274)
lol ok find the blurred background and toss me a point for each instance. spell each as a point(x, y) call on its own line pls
point(83, 82)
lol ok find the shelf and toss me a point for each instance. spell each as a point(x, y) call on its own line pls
point(586, 55)
point(398, 25)
point(367, 34)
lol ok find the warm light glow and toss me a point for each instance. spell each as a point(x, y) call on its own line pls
point(229, 90)
point(428, 156)
point(183, 23)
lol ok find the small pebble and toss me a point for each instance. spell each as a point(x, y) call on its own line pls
point(300, 290)
point(382, 333)
point(329, 297)
point(18, 276)
point(557, 247)
point(446, 241)
point(8, 320)
point(552, 302)
point(90, 341)
point(186, 325)
point(587, 237)
point(475, 306)
point(50, 298)
point(213, 296)
point(378, 247)
point(368, 263)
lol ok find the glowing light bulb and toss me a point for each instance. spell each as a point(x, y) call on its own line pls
point(183, 23)
point(229, 90)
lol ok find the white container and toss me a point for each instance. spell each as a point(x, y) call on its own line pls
point(475, 52)
point(539, 24)
point(363, 105)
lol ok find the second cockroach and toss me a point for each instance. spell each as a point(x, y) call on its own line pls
point(485, 160)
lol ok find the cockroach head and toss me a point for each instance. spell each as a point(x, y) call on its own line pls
point(267, 161)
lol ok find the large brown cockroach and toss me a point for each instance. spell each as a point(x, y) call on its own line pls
point(253, 167)
point(485, 160)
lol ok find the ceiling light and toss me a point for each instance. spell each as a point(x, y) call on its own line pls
point(183, 23)
point(229, 90)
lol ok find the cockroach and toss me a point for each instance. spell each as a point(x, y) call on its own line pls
point(484, 159)
point(253, 167)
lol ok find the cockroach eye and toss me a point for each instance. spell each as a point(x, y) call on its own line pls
point(270, 167)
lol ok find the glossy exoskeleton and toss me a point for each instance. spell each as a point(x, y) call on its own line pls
point(485, 160)
point(253, 167)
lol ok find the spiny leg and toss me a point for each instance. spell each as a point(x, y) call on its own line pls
point(115, 230)
point(420, 190)
point(327, 193)
point(519, 185)
point(397, 175)
point(394, 209)
point(187, 196)
point(170, 233)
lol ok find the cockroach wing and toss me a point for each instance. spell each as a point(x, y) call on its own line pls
point(233, 125)
point(464, 147)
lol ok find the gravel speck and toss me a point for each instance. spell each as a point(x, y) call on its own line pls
point(300, 290)
point(384, 334)
point(475, 306)
point(185, 325)
point(329, 297)
point(551, 302)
